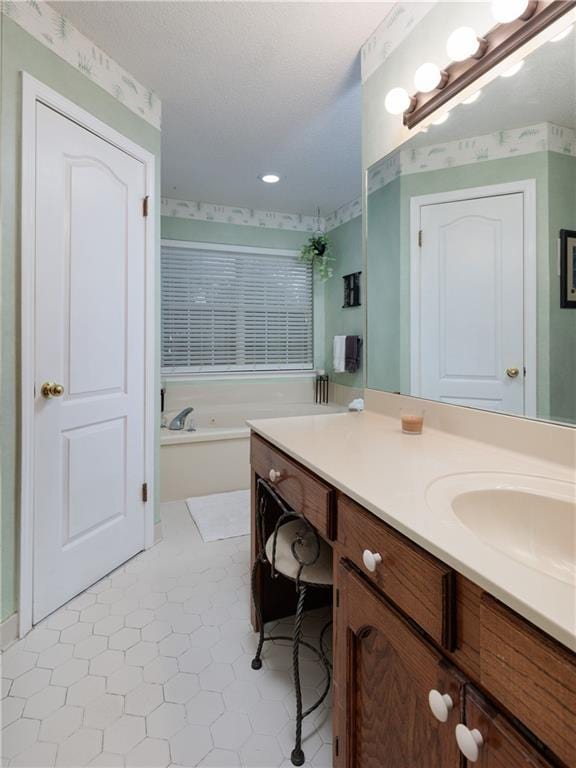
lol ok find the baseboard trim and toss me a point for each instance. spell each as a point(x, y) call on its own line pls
point(8, 631)
point(158, 535)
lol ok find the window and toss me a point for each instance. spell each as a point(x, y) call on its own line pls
point(227, 308)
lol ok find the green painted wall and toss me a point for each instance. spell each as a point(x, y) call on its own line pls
point(347, 245)
point(231, 234)
point(20, 52)
point(174, 228)
point(384, 294)
point(562, 215)
point(389, 321)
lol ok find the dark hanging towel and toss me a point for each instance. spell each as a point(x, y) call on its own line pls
point(352, 353)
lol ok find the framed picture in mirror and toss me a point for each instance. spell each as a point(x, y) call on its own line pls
point(352, 290)
point(567, 269)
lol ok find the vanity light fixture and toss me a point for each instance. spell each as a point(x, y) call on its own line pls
point(506, 11)
point(464, 43)
point(269, 178)
point(428, 77)
point(397, 101)
point(513, 70)
point(473, 99)
point(473, 57)
point(563, 35)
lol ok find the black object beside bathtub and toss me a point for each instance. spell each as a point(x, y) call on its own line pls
point(321, 385)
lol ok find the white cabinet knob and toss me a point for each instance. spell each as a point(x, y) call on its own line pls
point(469, 742)
point(441, 704)
point(274, 475)
point(371, 560)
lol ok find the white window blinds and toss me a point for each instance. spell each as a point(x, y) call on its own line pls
point(234, 309)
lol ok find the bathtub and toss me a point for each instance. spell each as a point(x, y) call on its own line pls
point(216, 456)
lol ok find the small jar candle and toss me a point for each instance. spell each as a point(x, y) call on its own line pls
point(412, 420)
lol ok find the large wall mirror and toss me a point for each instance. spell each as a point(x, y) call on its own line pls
point(465, 253)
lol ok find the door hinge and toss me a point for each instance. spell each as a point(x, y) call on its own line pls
point(419, 238)
point(144, 492)
point(145, 206)
point(336, 747)
point(337, 598)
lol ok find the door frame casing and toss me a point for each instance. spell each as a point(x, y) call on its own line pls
point(33, 92)
point(526, 187)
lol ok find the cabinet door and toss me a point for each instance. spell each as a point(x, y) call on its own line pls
point(384, 673)
point(503, 746)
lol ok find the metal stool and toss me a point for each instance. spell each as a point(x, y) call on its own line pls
point(295, 551)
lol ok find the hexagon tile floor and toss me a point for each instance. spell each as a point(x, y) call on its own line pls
point(151, 668)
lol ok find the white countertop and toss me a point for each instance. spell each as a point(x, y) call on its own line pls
point(366, 456)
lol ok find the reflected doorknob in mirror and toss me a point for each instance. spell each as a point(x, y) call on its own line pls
point(512, 373)
point(50, 389)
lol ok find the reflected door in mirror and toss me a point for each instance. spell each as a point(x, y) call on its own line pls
point(468, 334)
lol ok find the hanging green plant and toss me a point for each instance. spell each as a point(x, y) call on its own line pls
point(318, 252)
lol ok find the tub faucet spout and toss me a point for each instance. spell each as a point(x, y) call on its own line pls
point(179, 421)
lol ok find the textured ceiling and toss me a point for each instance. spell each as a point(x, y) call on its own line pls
point(247, 87)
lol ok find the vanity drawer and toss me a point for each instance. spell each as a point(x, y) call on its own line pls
point(302, 491)
point(420, 585)
point(531, 675)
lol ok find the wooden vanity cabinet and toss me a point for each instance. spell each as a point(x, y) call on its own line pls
point(503, 744)
point(406, 624)
point(385, 672)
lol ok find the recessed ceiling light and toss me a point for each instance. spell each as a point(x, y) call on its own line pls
point(269, 178)
point(563, 34)
point(513, 69)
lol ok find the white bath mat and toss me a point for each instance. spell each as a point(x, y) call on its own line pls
point(221, 515)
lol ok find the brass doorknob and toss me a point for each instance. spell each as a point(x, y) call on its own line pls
point(512, 373)
point(51, 389)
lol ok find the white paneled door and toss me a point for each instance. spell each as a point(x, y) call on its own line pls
point(89, 359)
point(471, 308)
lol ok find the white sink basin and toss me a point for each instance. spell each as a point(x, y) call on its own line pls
point(530, 519)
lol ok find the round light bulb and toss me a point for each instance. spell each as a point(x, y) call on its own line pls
point(563, 34)
point(513, 70)
point(397, 101)
point(442, 119)
point(505, 11)
point(269, 178)
point(427, 77)
point(473, 98)
point(462, 44)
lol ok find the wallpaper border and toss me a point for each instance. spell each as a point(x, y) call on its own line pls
point(227, 214)
point(499, 145)
point(395, 27)
point(59, 35)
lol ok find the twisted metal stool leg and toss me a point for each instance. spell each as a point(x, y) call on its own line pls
point(257, 661)
point(297, 756)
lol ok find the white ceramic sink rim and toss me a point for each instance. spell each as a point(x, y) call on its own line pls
point(490, 507)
